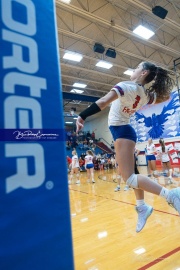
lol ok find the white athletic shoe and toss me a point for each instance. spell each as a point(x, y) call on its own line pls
point(144, 211)
point(69, 182)
point(117, 189)
point(126, 188)
point(78, 182)
point(93, 181)
point(174, 198)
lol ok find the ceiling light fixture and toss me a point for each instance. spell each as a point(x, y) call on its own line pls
point(104, 64)
point(73, 56)
point(80, 85)
point(143, 32)
point(66, 1)
point(78, 91)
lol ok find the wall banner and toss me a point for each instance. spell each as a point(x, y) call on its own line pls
point(158, 121)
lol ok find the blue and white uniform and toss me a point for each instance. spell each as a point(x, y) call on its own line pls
point(131, 97)
point(150, 149)
point(89, 162)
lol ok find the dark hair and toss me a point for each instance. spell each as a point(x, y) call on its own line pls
point(161, 141)
point(162, 84)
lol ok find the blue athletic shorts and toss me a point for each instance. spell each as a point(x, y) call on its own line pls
point(123, 132)
point(89, 166)
point(150, 157)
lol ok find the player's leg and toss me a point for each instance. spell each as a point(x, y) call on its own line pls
point(76, 171)
point(118, 183)
point(92, 175)
point(170, 171)
point(88, 175)
point(71, 175)
point(153, 166)
point(125, 160)
point(148, 166)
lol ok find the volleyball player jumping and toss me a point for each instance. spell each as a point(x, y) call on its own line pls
point(127, 97)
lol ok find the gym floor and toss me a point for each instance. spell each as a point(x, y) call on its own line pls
point(104, 222)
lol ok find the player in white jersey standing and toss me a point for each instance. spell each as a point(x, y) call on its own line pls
point(163, 153)
point(75, 167)
point(150, 151)
point(89, 166)
point(132, 96)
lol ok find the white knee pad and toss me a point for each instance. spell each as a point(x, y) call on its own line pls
point(132, 181)
point(170, 170)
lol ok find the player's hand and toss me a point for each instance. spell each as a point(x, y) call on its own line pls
point(79, 124)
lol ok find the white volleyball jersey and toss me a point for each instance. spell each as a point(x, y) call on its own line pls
point(150, 149)
point(164, 155)
point(75, 161)
point(131, 97)
point(89, 159)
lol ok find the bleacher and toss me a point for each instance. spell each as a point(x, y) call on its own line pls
point(81, 151)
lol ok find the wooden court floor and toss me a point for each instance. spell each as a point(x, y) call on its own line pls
point(104, 222)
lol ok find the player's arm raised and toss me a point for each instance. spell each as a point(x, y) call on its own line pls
point(95, 107)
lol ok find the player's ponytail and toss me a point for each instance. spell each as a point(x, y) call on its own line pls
point(162, 84)
point(162, 145)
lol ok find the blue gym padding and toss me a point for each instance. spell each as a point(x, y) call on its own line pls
point(35, 228)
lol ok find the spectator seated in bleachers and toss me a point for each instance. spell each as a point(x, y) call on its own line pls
point(86, 147)
point(90, 142)
point(93, 147)
point(69, 135)
point(80, 145)
point(68, 145)
point(74, 144)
